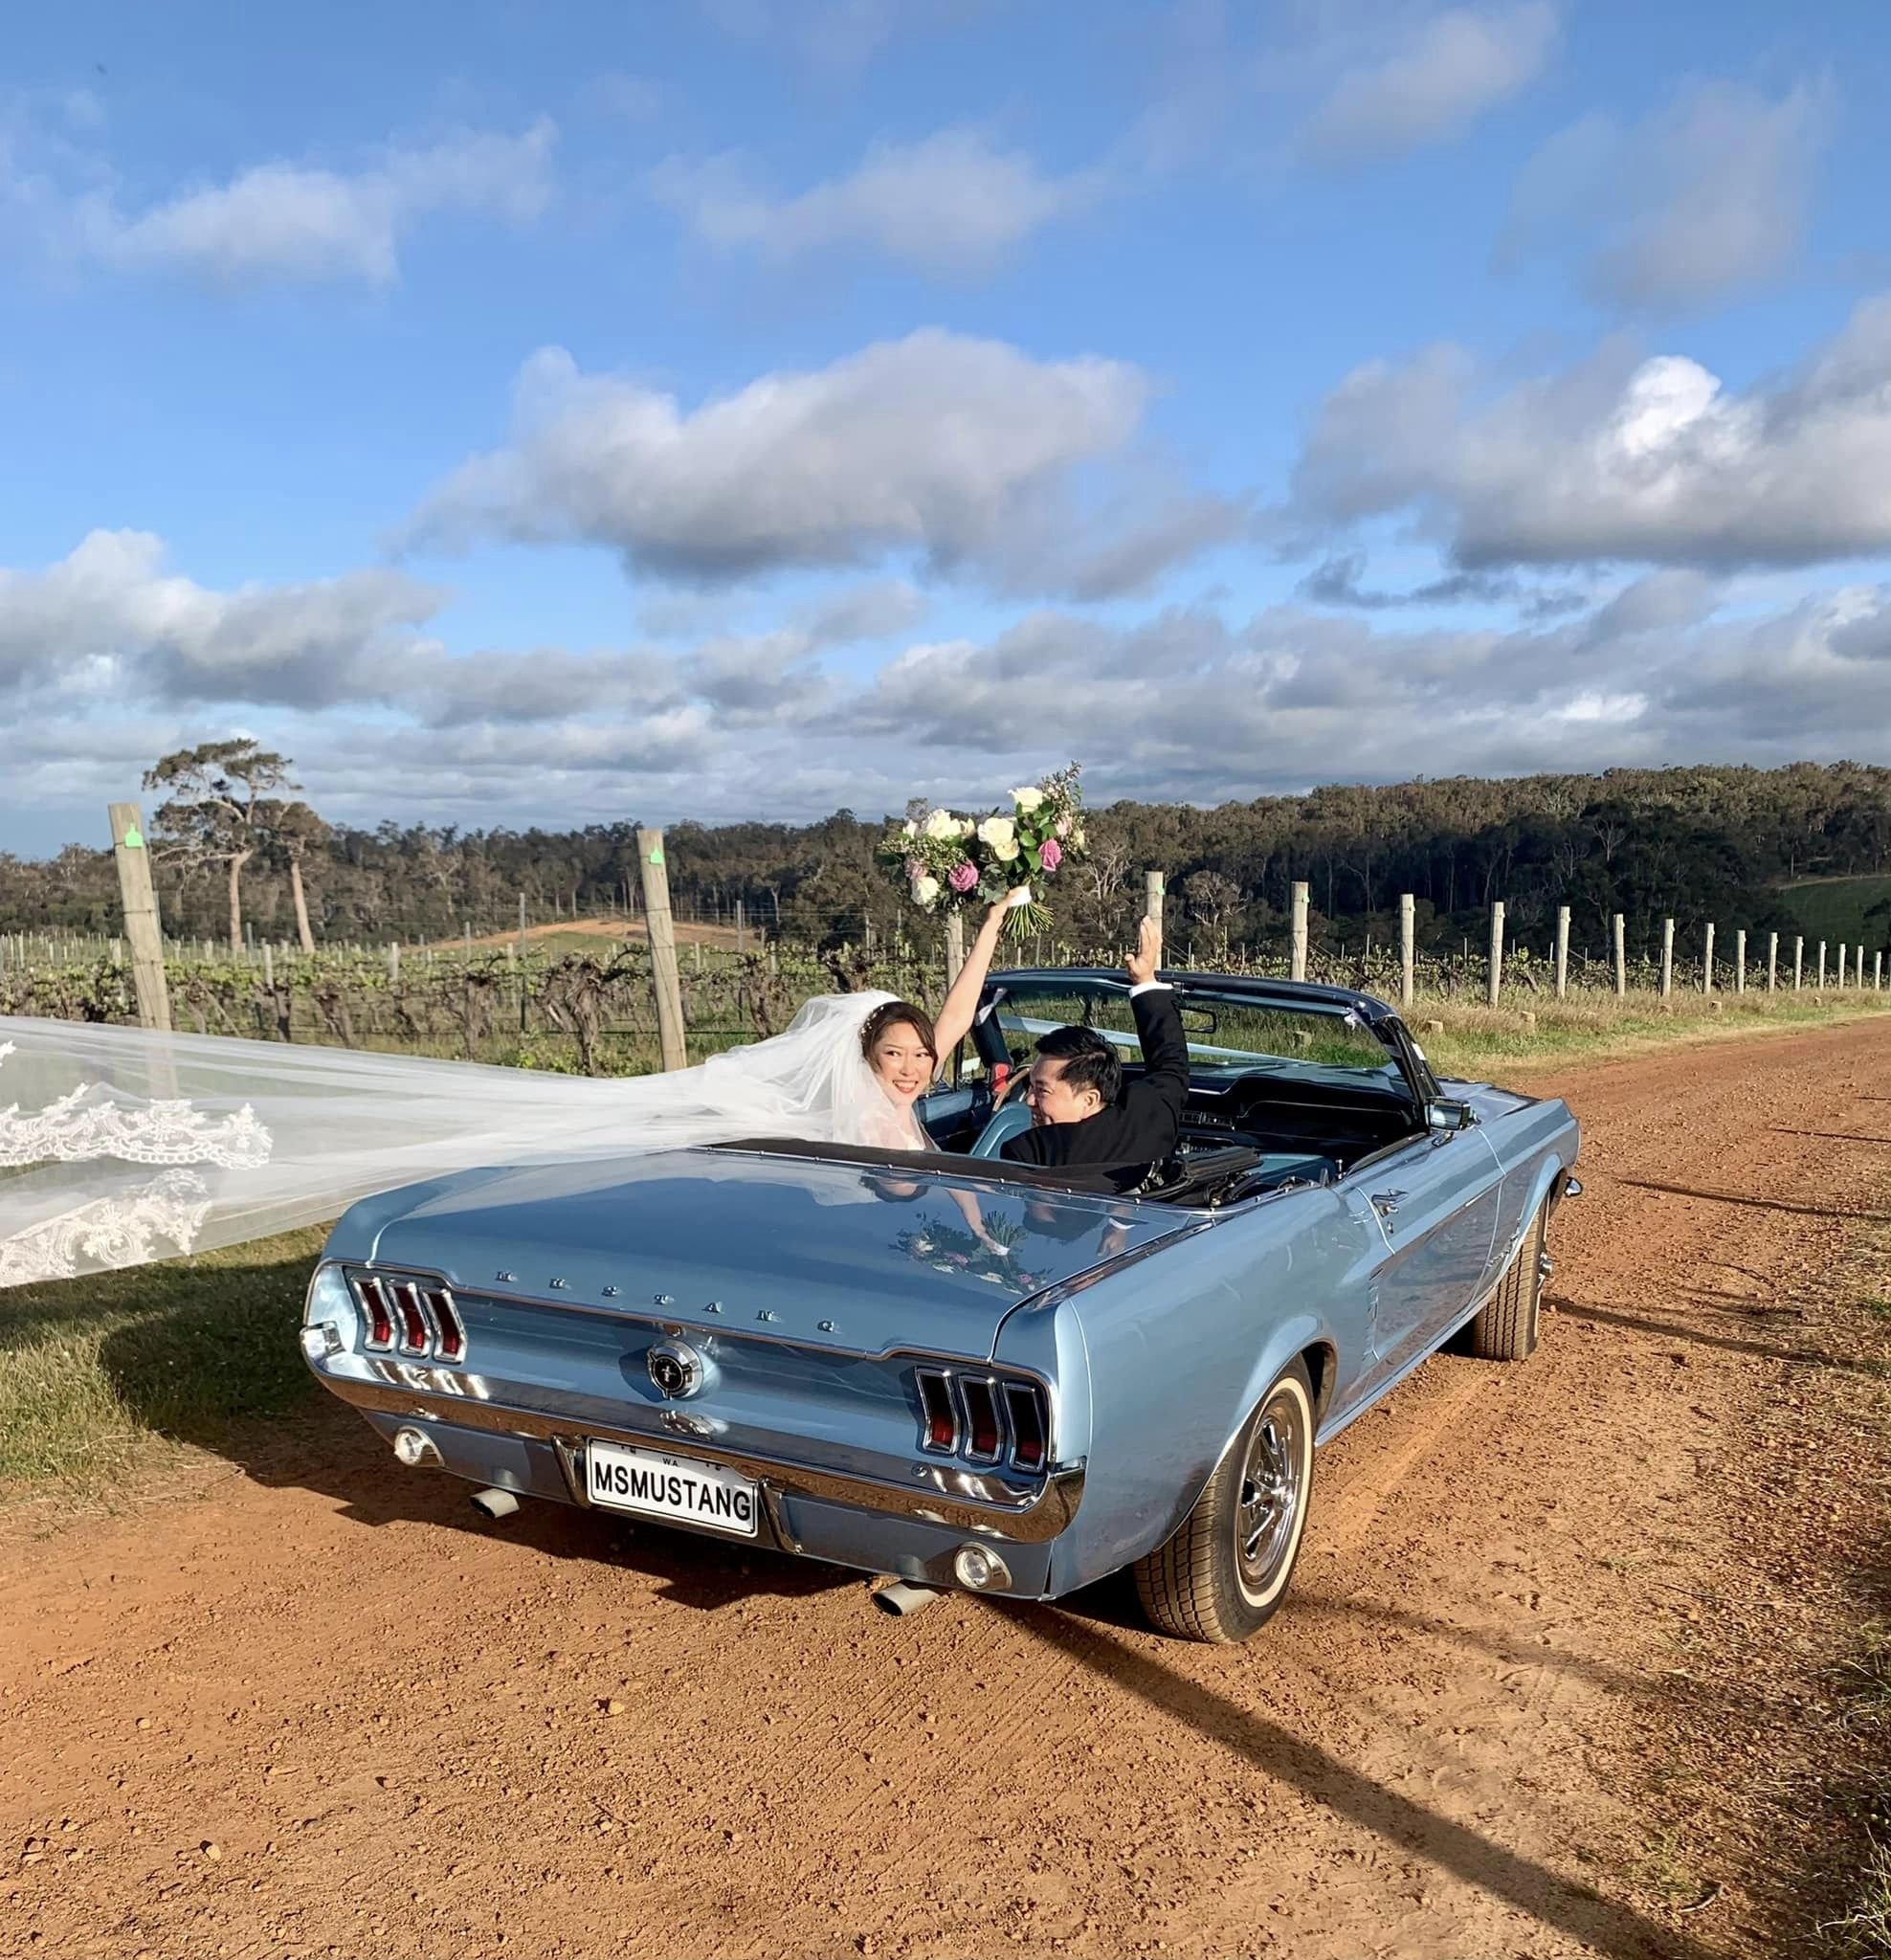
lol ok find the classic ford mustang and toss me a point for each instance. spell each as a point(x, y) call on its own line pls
point(957, 1370)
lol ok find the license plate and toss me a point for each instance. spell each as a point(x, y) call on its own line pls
point(679, 1488)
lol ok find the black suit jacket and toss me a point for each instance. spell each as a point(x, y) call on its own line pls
point(1113, 1149)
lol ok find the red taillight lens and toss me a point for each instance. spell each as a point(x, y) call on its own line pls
point(380, 1317)
point(452, 1336)
point(1027, 1411)
point(942, 1421)
point(981, 1419)
point(413, 1322)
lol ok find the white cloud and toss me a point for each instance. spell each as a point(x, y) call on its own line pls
point(1642, 459)
point(109, 659)
point(962, 453)
point(1702, 198)
point(951, 203)
point(1447, 71)
point(108, 620)
point(296, 221)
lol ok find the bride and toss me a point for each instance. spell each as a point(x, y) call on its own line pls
point(126, 1146)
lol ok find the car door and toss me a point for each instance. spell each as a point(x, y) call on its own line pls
point(1435, 1203)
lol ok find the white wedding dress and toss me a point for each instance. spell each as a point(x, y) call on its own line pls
point(120, 1144)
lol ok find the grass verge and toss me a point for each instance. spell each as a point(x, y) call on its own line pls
point(1482, 1043)
point(104, 1379)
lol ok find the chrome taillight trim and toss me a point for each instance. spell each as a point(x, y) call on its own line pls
point(983, 1407)
point(372, 1298)
point(423, 1319)
point(935, 1386)
point(968, 1398)
point(1028, 1453)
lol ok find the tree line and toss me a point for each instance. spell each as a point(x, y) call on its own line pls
point(232, 846)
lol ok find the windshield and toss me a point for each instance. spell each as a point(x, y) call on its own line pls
point(1228, 1033)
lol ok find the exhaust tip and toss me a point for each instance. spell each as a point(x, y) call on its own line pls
point(901, 1598)
point(495, 1503)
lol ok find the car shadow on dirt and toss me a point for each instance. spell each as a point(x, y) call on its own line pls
point(1752, 1200)
point(1601, 1925)
point(1676, 1331)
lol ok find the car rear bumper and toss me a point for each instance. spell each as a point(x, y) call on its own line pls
point(540, 1452)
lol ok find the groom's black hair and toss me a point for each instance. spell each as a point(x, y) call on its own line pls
point(1089, 1061)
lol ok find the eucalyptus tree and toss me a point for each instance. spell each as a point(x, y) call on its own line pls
point(219, 810)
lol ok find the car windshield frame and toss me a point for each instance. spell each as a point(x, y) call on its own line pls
point(1398, 1066)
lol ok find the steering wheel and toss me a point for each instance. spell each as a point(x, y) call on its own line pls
point(1013, 1088)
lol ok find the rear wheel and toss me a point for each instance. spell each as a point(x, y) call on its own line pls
point(1505, 1327)
point(1225, 1569)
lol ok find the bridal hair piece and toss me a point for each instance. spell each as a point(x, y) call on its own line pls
point(248, 1139)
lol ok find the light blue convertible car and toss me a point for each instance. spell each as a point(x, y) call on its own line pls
point(955, 1370)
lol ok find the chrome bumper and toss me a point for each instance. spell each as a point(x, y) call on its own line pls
point(968, 1500)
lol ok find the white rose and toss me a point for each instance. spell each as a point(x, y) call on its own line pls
point(941, 824)
point(924, 891)
point(909, 828)
point(1027, 800)
point(998, 832)
point(966, 828)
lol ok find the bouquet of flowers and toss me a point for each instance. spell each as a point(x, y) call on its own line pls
point(944, 861)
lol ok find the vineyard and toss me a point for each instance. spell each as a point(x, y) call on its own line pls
point(581, 1000)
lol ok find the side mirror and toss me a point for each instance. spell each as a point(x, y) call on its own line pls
point(1442, 1118)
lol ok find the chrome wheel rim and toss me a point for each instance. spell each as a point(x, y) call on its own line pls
point(1273, 1480)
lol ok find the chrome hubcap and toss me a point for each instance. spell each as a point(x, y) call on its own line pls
point(1270, 1481)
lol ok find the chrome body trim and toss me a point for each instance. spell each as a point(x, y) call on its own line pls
point(937, 1493)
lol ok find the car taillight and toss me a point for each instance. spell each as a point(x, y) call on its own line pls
point(1026, 1403)
point(379, 1315)
point(412, 1320)
point(413, 1317)
point(942, 1419)
point(451, 1335)
point(980, 1420)
point(984, 1418)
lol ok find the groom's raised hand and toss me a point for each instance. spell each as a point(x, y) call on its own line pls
point(1141, 965)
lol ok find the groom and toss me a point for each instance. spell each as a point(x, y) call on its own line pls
point(1084, 1115)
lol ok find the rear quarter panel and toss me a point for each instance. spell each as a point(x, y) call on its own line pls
point(1174, 1349)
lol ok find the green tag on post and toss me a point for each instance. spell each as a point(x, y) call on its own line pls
point(656, 854)
point(132, 840)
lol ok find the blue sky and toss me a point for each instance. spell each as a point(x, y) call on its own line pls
point(740, 408)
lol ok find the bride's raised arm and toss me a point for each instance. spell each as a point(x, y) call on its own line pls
point(955, 1017)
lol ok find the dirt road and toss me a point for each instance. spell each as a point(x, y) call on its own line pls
point(393, 1722)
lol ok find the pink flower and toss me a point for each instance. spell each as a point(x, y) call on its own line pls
point(915, 868)
point(962, 877)
point(1050, 853)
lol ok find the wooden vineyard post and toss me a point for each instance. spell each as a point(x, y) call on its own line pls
point(1707, 963)
point(1407, 947)
point(141, 926)
point(1155, 888)
point(525, 974)
point(1621, 962)
point(393, 963)
point(1494, 985)
point(1667, 959)
point(1821, 986)
point(1562, 952)
point(1297, 946)
point(740, 929)
point(955, 945)
point(1841, 967)
point(1772, 963)
point(1798, 964)
point(664, 981)
point(1740, 960)
point(1878, 972)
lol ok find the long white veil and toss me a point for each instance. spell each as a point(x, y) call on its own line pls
point(122, 1145)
